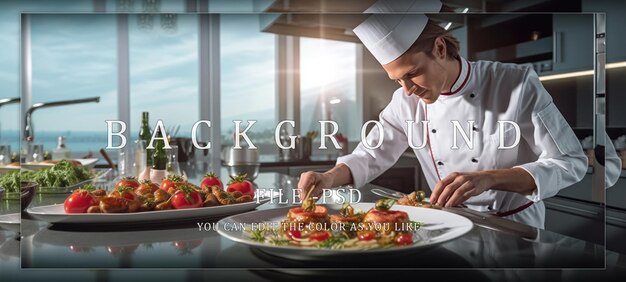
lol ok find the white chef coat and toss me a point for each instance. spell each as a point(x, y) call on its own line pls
point(485, 92)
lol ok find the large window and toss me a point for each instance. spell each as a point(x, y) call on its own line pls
point(10, 57)
point(328, 85)
point(164, 71)
point(73, 57)
point(247, 77)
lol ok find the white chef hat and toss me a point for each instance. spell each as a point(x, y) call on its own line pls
point(388, 36)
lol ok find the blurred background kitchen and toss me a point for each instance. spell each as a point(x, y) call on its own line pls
point(270, 60)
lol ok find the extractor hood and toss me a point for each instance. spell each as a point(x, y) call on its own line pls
point(328, 19)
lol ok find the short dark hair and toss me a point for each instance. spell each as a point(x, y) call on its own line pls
point(426, 41)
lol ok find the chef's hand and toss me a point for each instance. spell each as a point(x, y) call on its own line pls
point(310, 178)
point(337, 176)
point(457, 187)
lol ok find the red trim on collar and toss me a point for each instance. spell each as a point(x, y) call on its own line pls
point(515, 210)
point(469, 71)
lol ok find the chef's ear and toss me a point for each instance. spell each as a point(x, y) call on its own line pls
point(439, 48)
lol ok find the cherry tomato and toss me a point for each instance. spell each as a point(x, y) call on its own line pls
point(211, 180)
point(404, 239)
point(172, 181)
point(241, 184)
point(366, 235)
point(127, 181)
point(125, 192)
point(186, 198)
point(319, 236)
point(79, 202)
point(294, 233)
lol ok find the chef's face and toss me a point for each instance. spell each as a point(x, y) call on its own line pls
point(419, 74)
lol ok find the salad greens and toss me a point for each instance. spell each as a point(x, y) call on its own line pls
point(62, 174)
point(10, 181)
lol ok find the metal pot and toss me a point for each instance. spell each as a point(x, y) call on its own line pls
point(303, 147)
point(232, 156)
point(240, 161)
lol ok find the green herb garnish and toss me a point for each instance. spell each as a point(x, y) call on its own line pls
point(333, 242)
point(257, 235)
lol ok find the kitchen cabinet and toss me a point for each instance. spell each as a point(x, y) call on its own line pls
point(616, 195)
point(615, 22)
point(573, 39)
point(579, 191)
point(521, 38)
point(615, 230)
point(575, 218)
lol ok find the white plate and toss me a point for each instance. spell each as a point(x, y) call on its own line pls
point(10, 221)
point(439, 226)
point(88, 163)
point(56, 214)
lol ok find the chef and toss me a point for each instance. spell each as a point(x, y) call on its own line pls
point(522, 150)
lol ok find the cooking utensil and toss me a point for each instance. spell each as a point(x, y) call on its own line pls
point(481, 219)
point(107, 158)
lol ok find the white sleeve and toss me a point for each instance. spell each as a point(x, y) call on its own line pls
point(562, 161)
point(612, 163)
point(367, 164)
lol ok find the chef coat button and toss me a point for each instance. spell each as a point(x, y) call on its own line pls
point(434, 130)
point(472, 95)
point(439, 163)
point(474, 160)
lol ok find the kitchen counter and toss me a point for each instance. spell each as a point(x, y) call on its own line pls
point(182, 245)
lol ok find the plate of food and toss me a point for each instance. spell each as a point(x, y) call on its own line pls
point(87, 163)
point(321, 231)
point(142, 202)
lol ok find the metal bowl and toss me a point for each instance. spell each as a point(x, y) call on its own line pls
point(251, 170)
point(28, 190)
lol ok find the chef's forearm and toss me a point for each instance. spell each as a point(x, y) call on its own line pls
point(340, 175)
point(514, 179)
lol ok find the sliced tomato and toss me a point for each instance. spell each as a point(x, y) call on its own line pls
point(383, 216)
point(319, 236)
point(294, 233)
point(404, 239)
point(366, 235)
